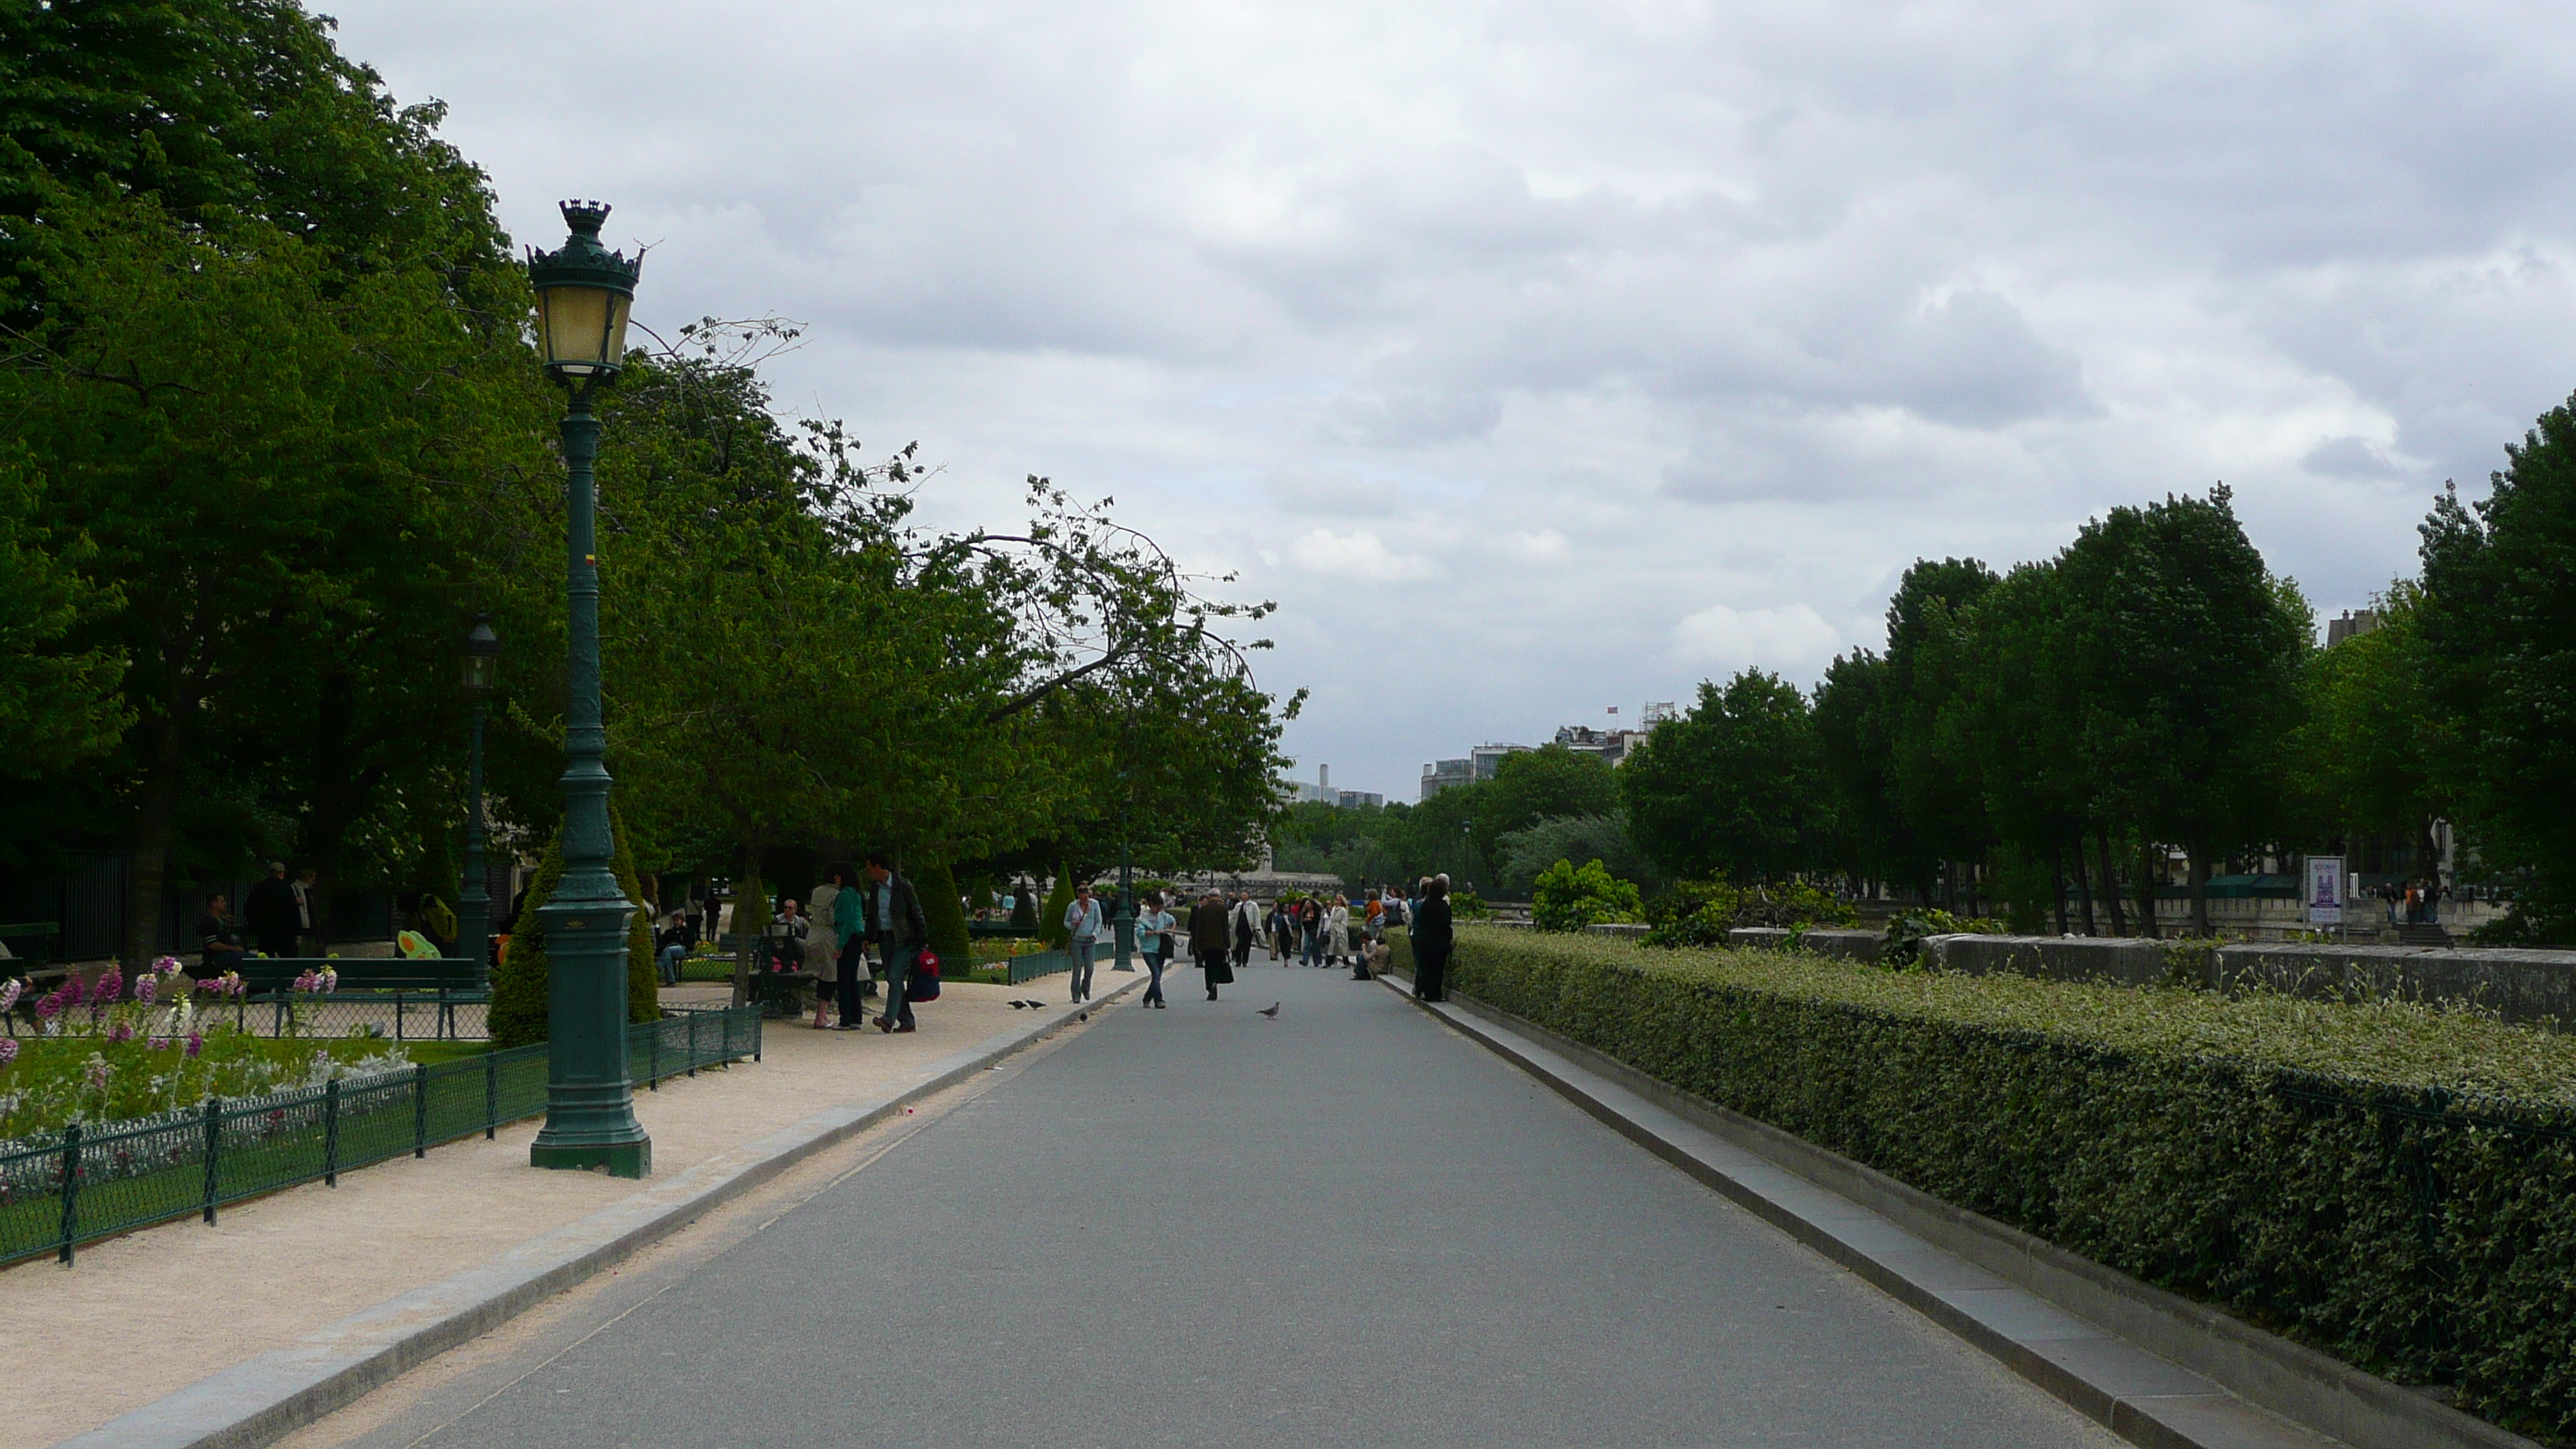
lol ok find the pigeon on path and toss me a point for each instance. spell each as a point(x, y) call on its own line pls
point(1271, 1011)
point(1019, 1006)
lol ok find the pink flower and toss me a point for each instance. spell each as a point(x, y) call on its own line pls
point(10, 993)
point(146, 987)
point(49, 1006)
point(157, 1043)
point(122, 1031)
point(166, 966)
point(69, 992)
point(196, 1044)
point(97, 1072)
point(111, 985)
point(8, 1050)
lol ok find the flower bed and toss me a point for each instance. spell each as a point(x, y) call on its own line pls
point(2389, 1183)
point(110, 1050)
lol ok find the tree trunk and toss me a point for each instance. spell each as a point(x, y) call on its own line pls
point(2199, 892)
point(2057, 881)
point(2147, 892)
point(746, 873)
point(148, 855)
point(1950, 886)
point(2110, 878)
point(2084, 882)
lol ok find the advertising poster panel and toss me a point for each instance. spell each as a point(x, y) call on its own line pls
point(2325, 890)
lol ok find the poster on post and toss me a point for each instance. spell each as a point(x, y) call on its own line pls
point(2325, 890)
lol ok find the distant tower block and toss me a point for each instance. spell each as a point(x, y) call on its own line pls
point(1324, 780)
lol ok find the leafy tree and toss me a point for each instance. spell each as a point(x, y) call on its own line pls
point(1525, 853)
point(1735, 787)
point(2375, 746)
point(1568, 898)
point(2498, 625)
point(1854, 719)
point(1941, 807)
point(224, 111)
point(59, 705)
point(264, 456)
point(2195, 650)
point(1542, 784)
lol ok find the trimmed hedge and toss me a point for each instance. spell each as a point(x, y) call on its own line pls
point(2388, 1183)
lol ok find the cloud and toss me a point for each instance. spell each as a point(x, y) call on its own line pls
point(1790, 638)
point(1590, 314)
point(1360, 554)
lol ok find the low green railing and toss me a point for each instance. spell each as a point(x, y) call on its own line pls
point(86, 1183)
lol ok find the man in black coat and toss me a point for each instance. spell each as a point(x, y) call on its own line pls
point(1432, 940)
point(895, 926)
point(269, 911)
point(1209, 941)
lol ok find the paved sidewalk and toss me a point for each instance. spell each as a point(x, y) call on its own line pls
point(149, 1313)
point(1345, 1226)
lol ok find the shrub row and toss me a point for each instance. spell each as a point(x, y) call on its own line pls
point(2388, 1183)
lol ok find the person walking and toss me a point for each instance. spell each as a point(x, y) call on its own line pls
point(1247, 928)
point(1082, 936)
point(1310, 931)
point(851, 981)
point(1208, 942)
point(269, 912)
point(1337, 950)
point(823, 944)
point(896, 928)
point(1278, 923)
point(1432, 941)
point(1154, 938)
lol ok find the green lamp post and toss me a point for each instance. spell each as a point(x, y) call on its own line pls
point(584, 292)
point(474, 897)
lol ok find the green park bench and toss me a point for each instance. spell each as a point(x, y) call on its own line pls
point(39, 932)
point(448, 981)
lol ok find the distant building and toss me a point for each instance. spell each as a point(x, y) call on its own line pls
point(2353, 624)
point(1359, 800)
point(1489, 758)
point(1300, 792)
point(1442, 774)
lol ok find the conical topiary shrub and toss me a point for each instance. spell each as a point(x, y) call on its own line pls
point(520, 1000)
point(1051, 915)
point(1024, 906)
point(643, 983)
point(944, 919)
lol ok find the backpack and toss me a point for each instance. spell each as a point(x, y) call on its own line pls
point(922, 983)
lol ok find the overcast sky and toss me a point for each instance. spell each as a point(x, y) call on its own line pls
point(1539, 358)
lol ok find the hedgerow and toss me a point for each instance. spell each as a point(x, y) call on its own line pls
point(2389, 1183)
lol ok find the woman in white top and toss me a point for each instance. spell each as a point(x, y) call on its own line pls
point(1154, 938)
point(1338, 949)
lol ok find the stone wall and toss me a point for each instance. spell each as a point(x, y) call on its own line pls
point(2527, 986)
point(1824, 941)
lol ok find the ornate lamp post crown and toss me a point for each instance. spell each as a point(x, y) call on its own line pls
point(482, 650)
point(584, 293)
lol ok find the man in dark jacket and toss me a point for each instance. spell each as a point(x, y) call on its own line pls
point(269, 911)
point(896, 929)
point(1432, 940)
point(1210, 943)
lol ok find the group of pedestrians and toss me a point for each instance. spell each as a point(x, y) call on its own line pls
point(2414, 902)
point(858, 925)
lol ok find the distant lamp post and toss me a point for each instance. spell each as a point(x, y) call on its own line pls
point(584, 292)
point(481, 653)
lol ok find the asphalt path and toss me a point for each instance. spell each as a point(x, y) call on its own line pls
point(1344, 1226)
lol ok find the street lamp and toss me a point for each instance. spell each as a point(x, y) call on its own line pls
point(584, 292)
point(474, 898)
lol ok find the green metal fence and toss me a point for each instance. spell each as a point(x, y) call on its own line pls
point(92, 1182)
point(1034, 964)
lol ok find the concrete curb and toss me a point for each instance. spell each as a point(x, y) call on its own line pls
point(266, 1398)
point(2155, 1368)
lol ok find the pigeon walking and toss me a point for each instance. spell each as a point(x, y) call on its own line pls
point(1271, 1011)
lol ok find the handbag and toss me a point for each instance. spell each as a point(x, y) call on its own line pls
point(922, 982)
